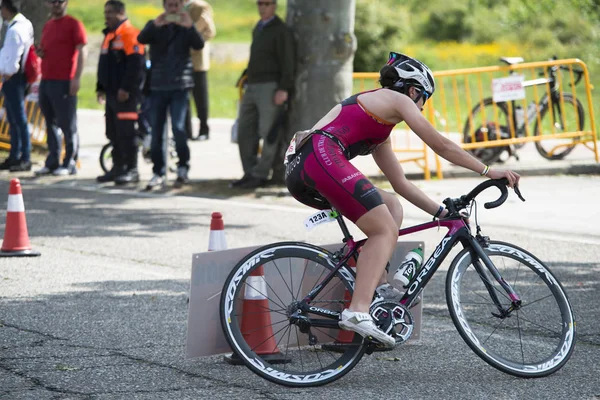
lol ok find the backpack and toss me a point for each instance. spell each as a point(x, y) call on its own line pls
point(33, 66)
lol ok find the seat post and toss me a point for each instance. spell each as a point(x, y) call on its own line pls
point(342, 224)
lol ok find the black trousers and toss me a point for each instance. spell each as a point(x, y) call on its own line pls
point(121, 119)
point(200, 93)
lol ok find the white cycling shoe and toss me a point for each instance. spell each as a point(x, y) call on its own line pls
point(363, 324)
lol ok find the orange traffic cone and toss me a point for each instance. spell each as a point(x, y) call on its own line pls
point(216, 240)
point(16, 238)
point(256, 321)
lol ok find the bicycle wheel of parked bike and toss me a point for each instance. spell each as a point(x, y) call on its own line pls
point(532, 341)
point(106, 161)
point(258, 304)
point(570, 118)
point(482, 124)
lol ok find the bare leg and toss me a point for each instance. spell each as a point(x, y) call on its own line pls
point(395, 208)
point(382, 231)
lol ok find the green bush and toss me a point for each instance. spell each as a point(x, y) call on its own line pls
point(376, 35)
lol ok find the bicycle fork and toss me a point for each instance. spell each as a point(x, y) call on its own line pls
point(478, 255)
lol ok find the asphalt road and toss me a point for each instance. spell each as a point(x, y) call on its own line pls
point(102, 313)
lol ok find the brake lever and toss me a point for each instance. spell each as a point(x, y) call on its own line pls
point(518, 192)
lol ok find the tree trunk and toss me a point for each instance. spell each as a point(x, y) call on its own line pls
point(37, 13)
point(324, 33)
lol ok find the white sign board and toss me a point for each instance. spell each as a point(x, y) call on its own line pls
point(508, 88)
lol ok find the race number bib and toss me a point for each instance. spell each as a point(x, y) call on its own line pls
point(319, 218)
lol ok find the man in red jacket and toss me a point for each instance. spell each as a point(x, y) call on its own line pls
point(63, 51)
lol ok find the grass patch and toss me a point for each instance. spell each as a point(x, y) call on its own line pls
point(234, 19)
point(223, 94)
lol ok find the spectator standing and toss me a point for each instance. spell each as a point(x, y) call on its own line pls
point(121, 71)
point(13, 55)
point(171, 36)
point(202, 15)
point(270, 78)
point(63, 52)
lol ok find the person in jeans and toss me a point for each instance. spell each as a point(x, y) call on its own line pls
point(171, 36)
point(63, 51)
point(13, 55)
point(121, 71)
point(270, 79)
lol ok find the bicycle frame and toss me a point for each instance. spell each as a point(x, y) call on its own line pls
point(458, 231)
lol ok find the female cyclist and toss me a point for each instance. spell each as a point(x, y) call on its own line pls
point(319, 174)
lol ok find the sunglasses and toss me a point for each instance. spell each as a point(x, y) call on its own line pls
point(264, 3)
point(56, 1)
point(425, 95)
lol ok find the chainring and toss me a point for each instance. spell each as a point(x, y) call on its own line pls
point(393, 318)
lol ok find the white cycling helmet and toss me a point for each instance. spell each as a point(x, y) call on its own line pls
point(412, 72)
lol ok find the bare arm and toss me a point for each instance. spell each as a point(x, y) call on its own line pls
point(386, 160)
point(76, 81)
point(445, 147)
point(83, 52)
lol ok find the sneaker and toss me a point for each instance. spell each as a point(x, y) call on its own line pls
point(130, 176)
point(182, 176)
point(239, 182)
point(156, 181)
point(110, 175)
point(363, 324)
point(21, 166)
point(146, 148)
point(44, 171)
point(64, 171)
point(388, 292)
point(7, 164)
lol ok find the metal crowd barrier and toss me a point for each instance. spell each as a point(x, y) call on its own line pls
point(505, 105)
point(35, 119)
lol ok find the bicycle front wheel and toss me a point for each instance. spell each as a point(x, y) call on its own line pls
point(570, 118)
point(258, 309)
point(534, 340)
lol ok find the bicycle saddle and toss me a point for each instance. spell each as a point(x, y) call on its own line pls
point(512, 60)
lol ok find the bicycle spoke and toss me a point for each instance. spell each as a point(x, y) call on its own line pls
point(273, 291)
point(265, 296)
point(283, 279)
point(291, 279)
point(539, 326)
point(529, 303)
point(520, 339)
point(267, 339)
point(299, 349)
point(301, 280)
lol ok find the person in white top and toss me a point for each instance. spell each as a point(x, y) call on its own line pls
point(13, 55)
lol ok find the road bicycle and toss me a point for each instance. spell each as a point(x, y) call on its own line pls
point(505, 302)
point(565, 109)
point(106, 162)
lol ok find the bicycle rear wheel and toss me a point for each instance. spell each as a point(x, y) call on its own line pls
point(532, 341)
point(570, 118)
point(265, 287)
point(482, 123)
point(106, 161)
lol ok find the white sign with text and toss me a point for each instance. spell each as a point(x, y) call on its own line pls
point(508, 88)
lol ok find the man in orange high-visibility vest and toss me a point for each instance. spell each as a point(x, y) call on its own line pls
point(121, 72)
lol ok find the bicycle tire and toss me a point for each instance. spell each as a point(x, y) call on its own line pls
point(106, 157)
point(311, 259)
point(548, 154)
point(488, 155)
point(479, 330)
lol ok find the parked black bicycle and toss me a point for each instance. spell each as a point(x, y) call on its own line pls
point(505, 303)
point(562, 109)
